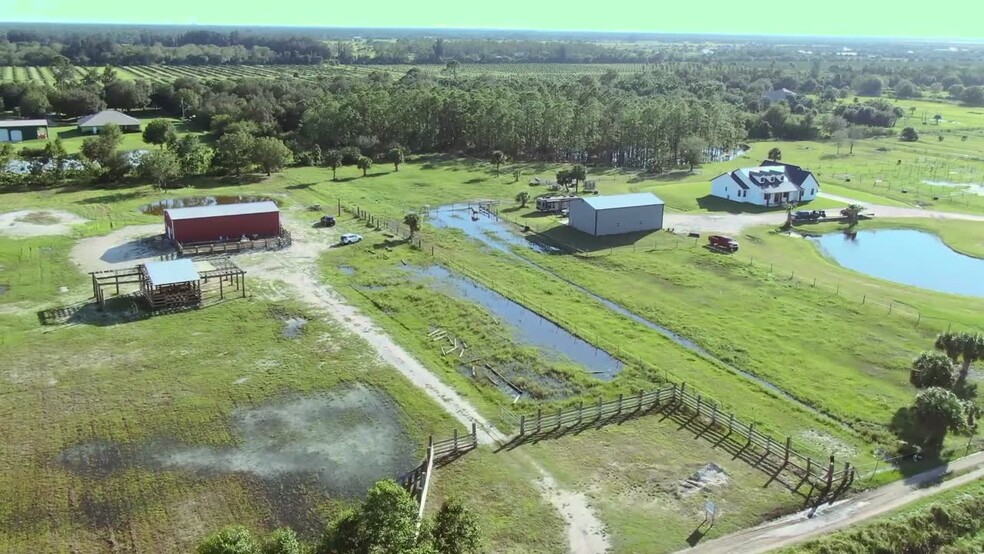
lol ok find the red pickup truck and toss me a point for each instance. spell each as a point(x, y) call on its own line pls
point(722, 242)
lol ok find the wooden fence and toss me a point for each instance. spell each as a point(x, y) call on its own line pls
point(772, 455)
point(228, 247)
point(439, 453)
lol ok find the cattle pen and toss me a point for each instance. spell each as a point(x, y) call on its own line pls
point(171, 283)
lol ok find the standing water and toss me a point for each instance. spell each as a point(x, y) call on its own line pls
point(908, 257)
point(531, 327)
point(497, 235)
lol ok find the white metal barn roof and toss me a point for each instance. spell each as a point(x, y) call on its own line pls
point(171, 272)
point(623, 201)
point(222, 210)
point(23, 123)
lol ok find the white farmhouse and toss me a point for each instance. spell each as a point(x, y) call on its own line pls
point(770, 184)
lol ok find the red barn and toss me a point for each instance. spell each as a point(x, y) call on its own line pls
point(226, 222)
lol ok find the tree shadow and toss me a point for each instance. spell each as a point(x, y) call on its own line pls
point(112, 198)
point(71, 133)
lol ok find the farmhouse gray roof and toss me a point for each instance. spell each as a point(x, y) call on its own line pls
point(623, 201)
point(222, 211)
point(106, 117)
point(171, 272)
point(23, 123)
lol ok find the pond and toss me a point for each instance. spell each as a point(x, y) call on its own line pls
point(491, 231)
point(157, 208)
point(906, 256)
point(531, 328)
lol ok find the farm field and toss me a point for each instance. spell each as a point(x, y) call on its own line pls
point(163, 73)
point(150, 423)
point(151, 433)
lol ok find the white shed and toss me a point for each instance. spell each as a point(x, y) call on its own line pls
point(617, 214)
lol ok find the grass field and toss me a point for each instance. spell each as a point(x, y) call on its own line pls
point(164, 73)
point(92, 408)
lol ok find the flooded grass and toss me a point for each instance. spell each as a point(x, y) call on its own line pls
point(342, 441)
point(158, 208)
point(294, 327)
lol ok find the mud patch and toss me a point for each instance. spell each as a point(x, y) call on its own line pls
point(340, 443)
point(710, 475)
point(828, 443)
point(294, 327)
point(347, 269)
point(34, 223)
point(126, 247)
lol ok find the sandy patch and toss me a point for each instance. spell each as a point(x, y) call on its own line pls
point(35, 223)
point(127, 247)
point(709, 475)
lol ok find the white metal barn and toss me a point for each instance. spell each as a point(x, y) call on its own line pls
point(617, 214)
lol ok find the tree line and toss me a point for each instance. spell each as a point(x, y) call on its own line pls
point(385, 522)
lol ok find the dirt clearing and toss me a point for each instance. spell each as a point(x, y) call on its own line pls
point(127, 247)
point(35, 223)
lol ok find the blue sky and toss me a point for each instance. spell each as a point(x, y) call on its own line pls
point(957, 19)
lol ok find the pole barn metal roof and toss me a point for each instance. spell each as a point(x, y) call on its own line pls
point(224, 210)
point(623, 201)
point(171, 272)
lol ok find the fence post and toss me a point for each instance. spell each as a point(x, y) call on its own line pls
point(474, 434)
point(890, 306)
point(698, 405)
point(639, 403)
point(864, 298)
point(918, 317)
point(674, 393)
point(768, 445)
point(539, 419)
point(522, 425)
point(620, 396)
point(580, 412)
point(714, 415)
point(751, 432)
point(830, 473)
point(455, 440)
point(559, 413)
point(731, 423)
point(785, 457)
point(599, 410)
point(809, 467)
point(838, 289)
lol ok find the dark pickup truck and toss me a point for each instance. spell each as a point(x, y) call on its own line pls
point(721, 242)
point(804, 216)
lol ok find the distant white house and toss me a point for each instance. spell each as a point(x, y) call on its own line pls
point(92, 124)
point(769, 184)
point(779, 95)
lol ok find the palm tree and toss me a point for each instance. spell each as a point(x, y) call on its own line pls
point(412, 221)
point(936, 412)
point(971, 350)
point(853, 212)
point(364, 163)
point(775, 154)
point(788, 206)
point(931, 369)
point(950, 344)
point(523, 198)
point(498, 158)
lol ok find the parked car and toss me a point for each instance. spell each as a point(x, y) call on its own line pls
point(803, 216)
point(351, 238)
point(722, 242)
point(327, 221)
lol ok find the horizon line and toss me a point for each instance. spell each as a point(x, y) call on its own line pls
point(960, 40)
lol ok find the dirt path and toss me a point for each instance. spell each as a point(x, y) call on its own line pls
point(805, 525)
point(297, 267)
point(735, 223)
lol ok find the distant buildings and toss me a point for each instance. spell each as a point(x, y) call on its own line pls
point(780, 95)
point(16, 130)
point(93, 124)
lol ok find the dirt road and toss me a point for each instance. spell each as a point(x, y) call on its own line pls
point(805, 525)
point(735, 223)
point(297, 267)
